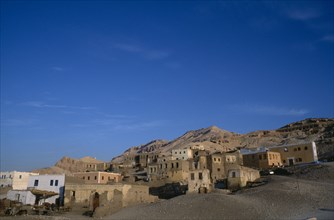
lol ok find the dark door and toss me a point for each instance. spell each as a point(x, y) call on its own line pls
point(290, 162)
point(96, 201)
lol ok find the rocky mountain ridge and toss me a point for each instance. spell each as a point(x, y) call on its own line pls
point(320, 130)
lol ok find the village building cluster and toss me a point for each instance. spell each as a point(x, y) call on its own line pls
point(115, 185)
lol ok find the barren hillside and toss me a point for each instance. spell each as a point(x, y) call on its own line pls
point(320, 130)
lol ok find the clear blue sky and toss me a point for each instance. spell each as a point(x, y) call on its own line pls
point(93, 78)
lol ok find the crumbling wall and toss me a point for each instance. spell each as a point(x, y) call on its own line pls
point(111, 197)
point(134, 194)
point(108, 207)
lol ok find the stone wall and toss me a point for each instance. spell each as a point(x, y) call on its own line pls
point(110, 197)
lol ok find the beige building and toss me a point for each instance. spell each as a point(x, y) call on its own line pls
point(99, 177)
point(297, 153)
point(239, 177)
point(262, 159)
point(182, 154)
point(199, 179)
point(17, 180)
point(170, 170)
point(97, 166)
point(220, 163)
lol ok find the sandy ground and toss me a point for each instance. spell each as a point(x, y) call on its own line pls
point(280, 199)
point(309, 195)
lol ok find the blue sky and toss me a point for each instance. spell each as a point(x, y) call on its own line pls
point(93, 78)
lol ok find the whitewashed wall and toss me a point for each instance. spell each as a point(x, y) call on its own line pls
point(26, 197)
point(44, 183)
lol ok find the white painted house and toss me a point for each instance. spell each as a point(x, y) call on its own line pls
point(40, 189)
point(48, 188)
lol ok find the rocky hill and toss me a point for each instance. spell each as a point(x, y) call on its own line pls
point(320, 130)
point(68, 166)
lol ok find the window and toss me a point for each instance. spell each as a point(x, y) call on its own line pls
point(177, 165)
point(200, 176)
point(192, 176)
point(175, 152)
point(83, 177)
point(172, 165)
point(260, 157)
point(218, 159)
point(298, 148)
point(20, 177)
point(88, 177)
point(305, 148)
point(214, 159)
point(51, 182)
point(264, 156)
point(233, 175)
point(102, 177)
point(184, 152)
point(283, 161)
point(36, 183)
point(95, 178)
point(218, 169)
point(56, 183)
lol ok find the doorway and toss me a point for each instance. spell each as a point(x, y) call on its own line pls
point(96, 201)
point(291, 161)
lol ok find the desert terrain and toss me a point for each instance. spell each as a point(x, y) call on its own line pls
point(307, 194)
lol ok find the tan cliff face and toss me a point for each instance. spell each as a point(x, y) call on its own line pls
point(213, 139)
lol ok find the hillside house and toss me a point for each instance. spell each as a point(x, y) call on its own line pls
point(182, 154)
point(97, 166)
point(238, 178)
point(98, 177)
point(199, 179)
point(261, 158)
point(297, 153)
